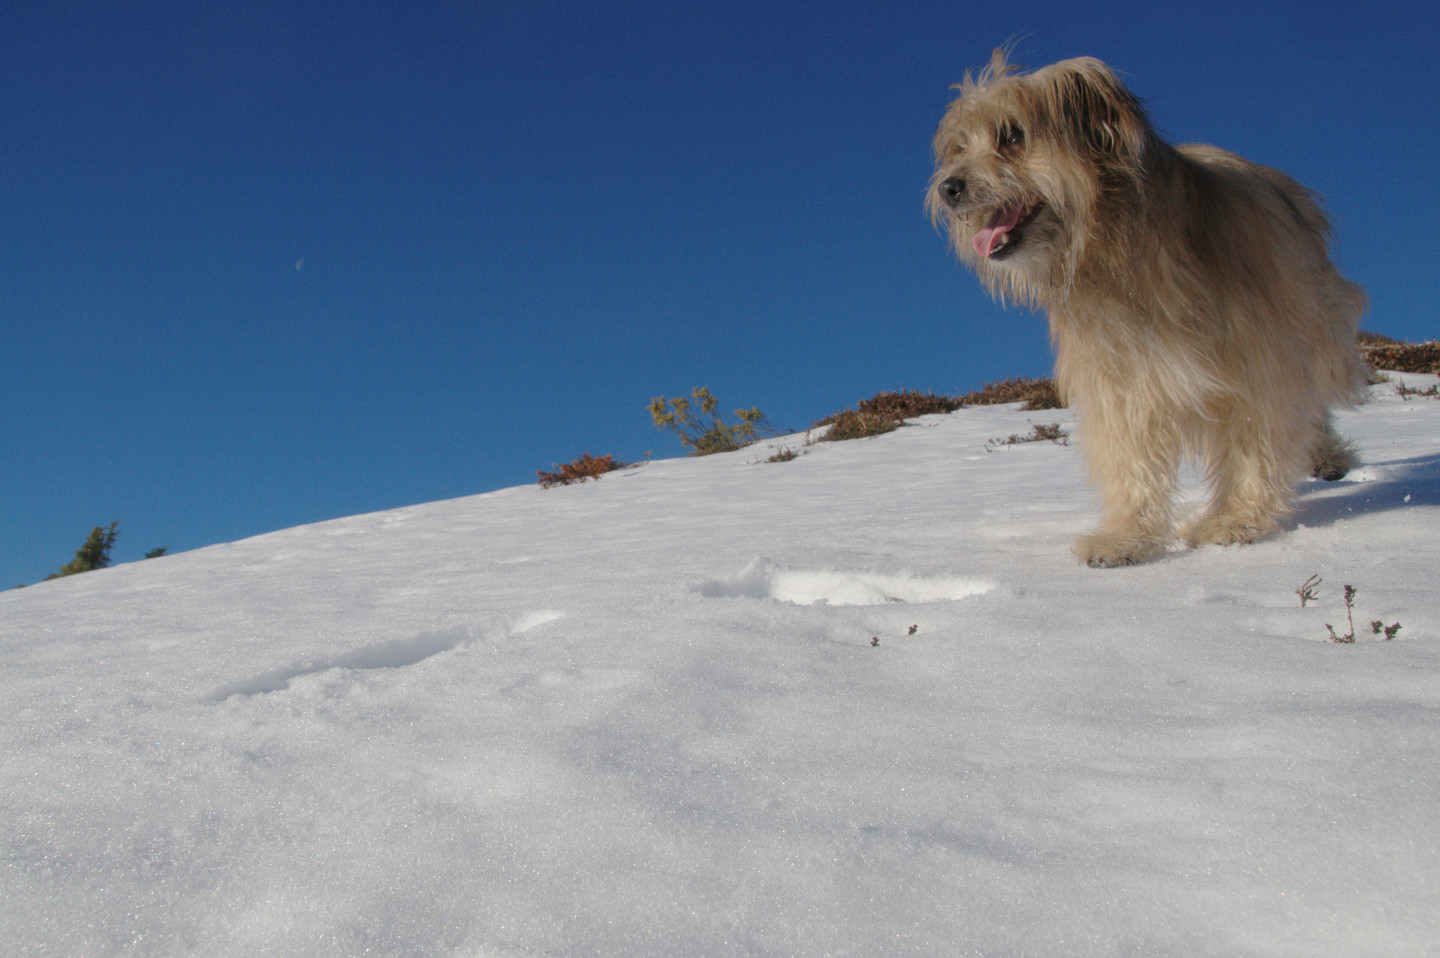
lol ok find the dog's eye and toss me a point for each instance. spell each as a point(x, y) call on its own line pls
point(1010, 137)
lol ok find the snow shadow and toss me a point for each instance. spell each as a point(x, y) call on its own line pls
point(394, 654)
point(762, 579)
point(1371, 488)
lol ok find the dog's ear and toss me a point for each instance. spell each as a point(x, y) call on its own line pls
point(1099, 112)
point(998, 68)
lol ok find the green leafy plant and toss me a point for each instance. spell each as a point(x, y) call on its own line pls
point(700, 428)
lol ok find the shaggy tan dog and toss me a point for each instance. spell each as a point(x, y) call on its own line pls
point(1191, 298)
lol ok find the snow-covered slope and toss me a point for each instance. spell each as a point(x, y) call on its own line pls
point(860, 703)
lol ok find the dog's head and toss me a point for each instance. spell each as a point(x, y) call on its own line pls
point(1028, 169)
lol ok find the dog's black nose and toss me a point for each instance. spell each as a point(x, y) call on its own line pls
point(952, 191)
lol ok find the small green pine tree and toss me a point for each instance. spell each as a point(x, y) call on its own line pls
point(94, 554)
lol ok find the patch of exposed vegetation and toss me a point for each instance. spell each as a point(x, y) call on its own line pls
point(852, 424)
point(907, 405)
point(882, 413)
point(1403, 357)
point(700, 428)
point(1377, 627)
point(94, 554)
point(784, 454)
point(1039, 432)
point(1034, 393)
point(582, 467)
point(1405, 392)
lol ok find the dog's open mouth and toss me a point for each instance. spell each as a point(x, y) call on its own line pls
point(1004, 231)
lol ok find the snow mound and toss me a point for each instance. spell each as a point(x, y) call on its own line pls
point(395, 654)
point(762, 579)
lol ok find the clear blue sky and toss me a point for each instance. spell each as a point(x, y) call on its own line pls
point(269, 263)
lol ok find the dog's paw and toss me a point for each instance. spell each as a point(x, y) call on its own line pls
point(1223, 530)
point(1227, 530)
point(1101, 551)
point(1333, 457)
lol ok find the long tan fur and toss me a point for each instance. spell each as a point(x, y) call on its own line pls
point(1192, 303)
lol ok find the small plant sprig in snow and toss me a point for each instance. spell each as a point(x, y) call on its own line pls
point(784, 454)
point(1377, 627)
point(1039, 432)
point(1349, 615)
point(1405, 392)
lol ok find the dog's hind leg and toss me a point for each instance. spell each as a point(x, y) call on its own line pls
point(1332, 457)
point(1252, 470)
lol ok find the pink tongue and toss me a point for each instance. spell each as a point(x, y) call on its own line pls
point(1001, 223)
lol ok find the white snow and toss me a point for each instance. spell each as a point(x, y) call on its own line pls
point(681, 711)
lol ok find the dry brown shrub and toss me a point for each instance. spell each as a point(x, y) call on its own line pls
point(1039, 432)
point(850, 424)
point(1404, 357)
point(908, 405)
point(784, 454)
point(882, 413)
point(1034, 393)
point(584, 466)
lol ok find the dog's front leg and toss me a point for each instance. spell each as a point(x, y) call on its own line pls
point(1132, 463)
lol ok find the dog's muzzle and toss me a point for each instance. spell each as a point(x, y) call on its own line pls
point(952, 191)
